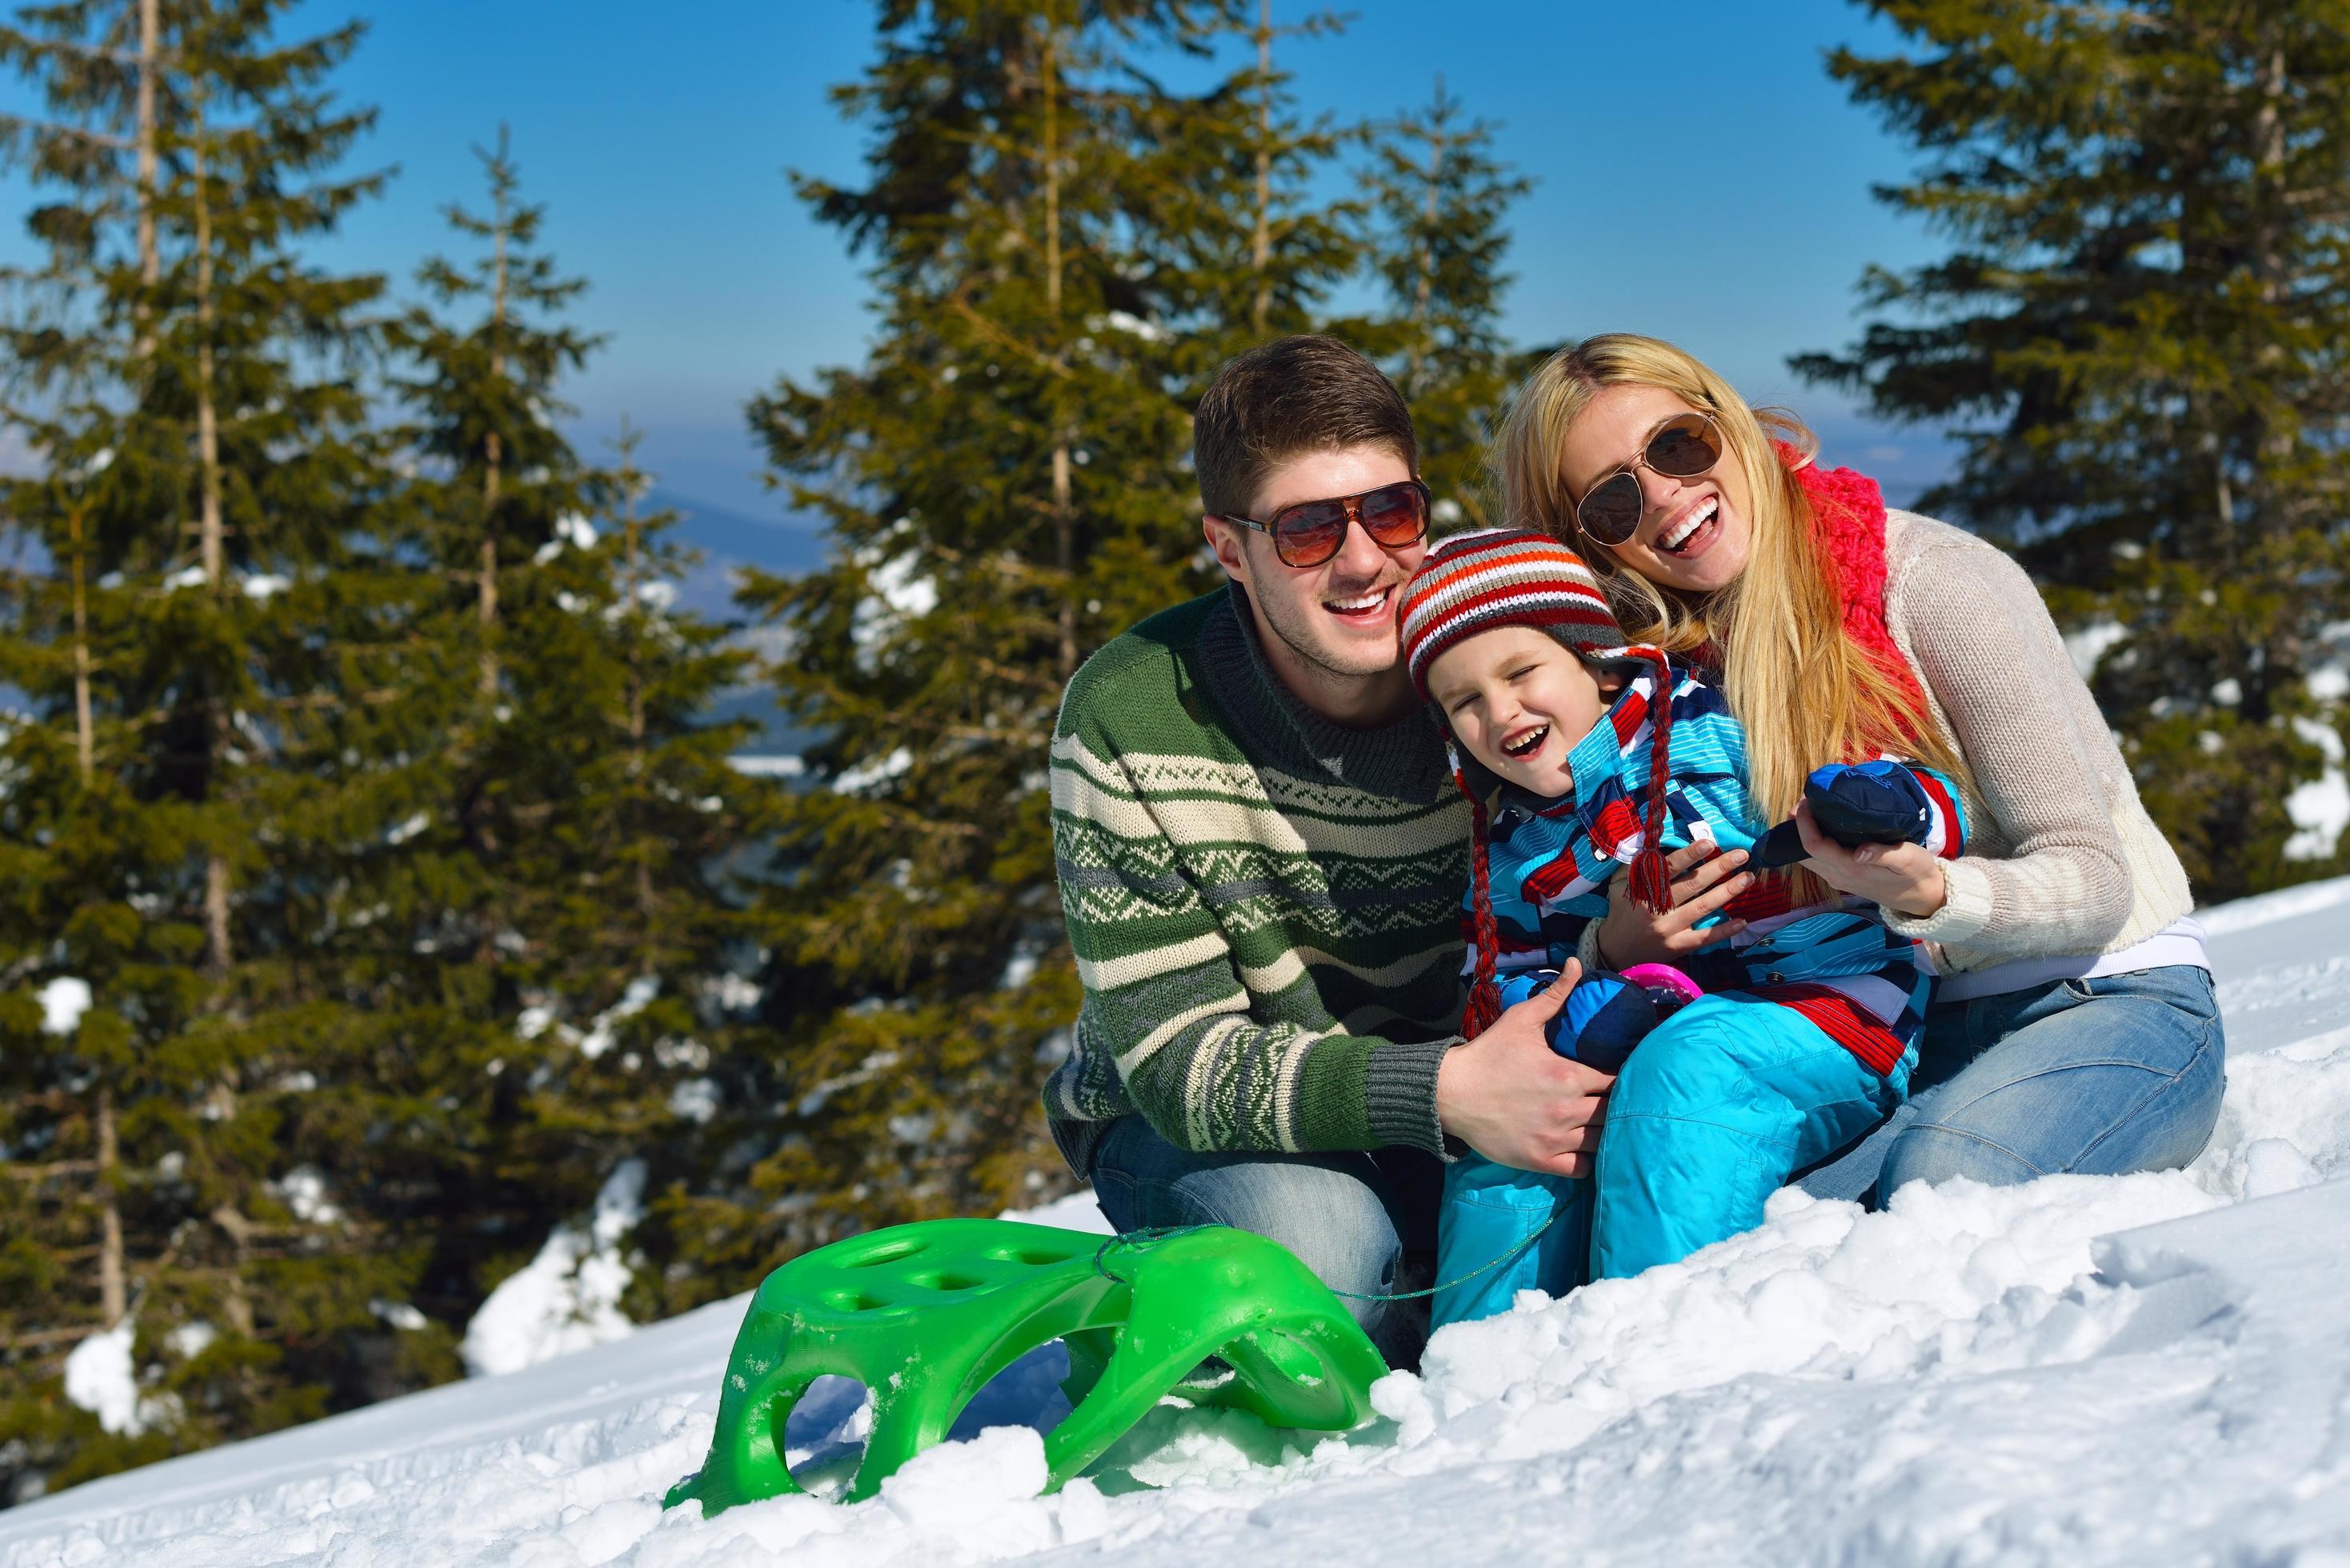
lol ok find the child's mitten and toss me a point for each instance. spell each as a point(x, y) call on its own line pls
point(1856, 803)
point(1607, 1014)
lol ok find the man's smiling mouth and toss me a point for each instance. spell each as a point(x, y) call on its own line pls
point(1364, 606)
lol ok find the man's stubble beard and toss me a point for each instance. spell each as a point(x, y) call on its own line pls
point(1294, 638)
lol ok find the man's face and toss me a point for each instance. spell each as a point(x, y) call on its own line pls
point(1339, 618)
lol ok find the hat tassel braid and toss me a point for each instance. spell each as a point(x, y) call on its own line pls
point(1484, 996)
point(1652, 886)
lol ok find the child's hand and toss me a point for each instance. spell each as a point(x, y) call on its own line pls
point(1703, 882)
point(1508, 1096)
point(1904, 878)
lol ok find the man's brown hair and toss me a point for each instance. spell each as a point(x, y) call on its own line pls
point(1292, 395)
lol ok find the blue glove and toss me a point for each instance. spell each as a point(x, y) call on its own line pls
point(1604, 1017)
point(1856, 803)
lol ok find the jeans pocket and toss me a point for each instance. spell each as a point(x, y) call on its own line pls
point(2187, 987)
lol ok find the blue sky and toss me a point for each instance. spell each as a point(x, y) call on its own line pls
point(1699, 177)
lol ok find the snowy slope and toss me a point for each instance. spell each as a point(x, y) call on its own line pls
point(2082, 1371)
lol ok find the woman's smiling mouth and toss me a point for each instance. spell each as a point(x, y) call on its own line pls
point(1695, 529)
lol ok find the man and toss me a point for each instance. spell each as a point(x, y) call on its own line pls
point(1261, 854)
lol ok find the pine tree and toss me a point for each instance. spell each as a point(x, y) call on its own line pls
point(2140, 331)
point(191, 387)
point(62, 1263)
point(563, 896)
point(1062, 250)
point(1440, 198)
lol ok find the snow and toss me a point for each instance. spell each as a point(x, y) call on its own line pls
point(901, 592)
point(2088, 644)
point(304, 1191)
point(99, 1378)
point(568, 1298)
point(633, 1001)
point(2082, 1371)
point(400, 1314)
point(570, 528)
point(856, 781)
point(63, 1002)
point(768, 767)
point(191, 1339)
point(2320, 809)
point(696, 1099)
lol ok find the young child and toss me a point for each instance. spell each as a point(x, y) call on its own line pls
point(1586, 754)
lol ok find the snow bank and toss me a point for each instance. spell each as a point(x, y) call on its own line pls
point(2082, 1371)
point(568, 1298)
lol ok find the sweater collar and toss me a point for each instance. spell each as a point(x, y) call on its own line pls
point(1401, 761)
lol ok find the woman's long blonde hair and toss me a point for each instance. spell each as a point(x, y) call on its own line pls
point(1807, 692)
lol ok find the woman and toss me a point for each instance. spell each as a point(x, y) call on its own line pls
point(2075, 1028)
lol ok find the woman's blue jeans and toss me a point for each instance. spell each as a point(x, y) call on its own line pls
point(2098, 1078)
point(1359, 1220)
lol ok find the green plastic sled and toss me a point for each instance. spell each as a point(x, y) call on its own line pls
point(924, 1315)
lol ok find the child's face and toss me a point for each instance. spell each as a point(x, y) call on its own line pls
point(1520, 701)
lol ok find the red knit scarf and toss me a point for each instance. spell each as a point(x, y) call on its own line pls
point(1848, 519)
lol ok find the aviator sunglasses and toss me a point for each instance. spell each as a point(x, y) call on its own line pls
point(1310, 532)
point(1681, 448)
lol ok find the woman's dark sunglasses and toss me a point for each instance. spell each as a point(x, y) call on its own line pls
point(1311, 531)
point(1681, 448)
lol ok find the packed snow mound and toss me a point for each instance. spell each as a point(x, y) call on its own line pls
point(568, 1298)
point(2084, 1370)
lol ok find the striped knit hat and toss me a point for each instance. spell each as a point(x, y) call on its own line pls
point(1504, 576)
point(1511, 576)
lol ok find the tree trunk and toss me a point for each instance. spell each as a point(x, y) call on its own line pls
point(1064, 544)
point(151, 261)
point(1424, 252)
point(85, 736)
point(1261, 245)
point(212, 530)
point(636, 770)
point(486, 607)
point(113, 1296)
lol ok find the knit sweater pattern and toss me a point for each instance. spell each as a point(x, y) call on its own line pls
point(1262, 903)
point(2062, 858)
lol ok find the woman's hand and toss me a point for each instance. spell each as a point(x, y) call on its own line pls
point(1510, 1097)
point(1904, 878)
point(1703, 883)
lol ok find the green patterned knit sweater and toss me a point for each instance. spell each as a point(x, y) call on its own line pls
point(1263, 905)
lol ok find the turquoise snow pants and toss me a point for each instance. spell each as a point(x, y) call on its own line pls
point(1710, 1115)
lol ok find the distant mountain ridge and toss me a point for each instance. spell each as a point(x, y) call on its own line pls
point(784, 545)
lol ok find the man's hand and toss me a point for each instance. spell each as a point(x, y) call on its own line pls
point(1903, 877)
point(1703, 883)
point(1508, 1096)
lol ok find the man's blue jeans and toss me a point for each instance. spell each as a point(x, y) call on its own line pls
point(1354, 1219)
point(2098, 1078)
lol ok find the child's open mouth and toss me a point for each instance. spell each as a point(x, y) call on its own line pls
point(1692, 533)
point(1528, 745)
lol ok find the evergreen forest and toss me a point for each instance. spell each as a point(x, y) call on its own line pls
point(381, 911)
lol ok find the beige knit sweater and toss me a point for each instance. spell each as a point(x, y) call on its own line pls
point(2062, 858)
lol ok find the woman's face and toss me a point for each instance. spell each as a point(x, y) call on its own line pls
point(1694, 534)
